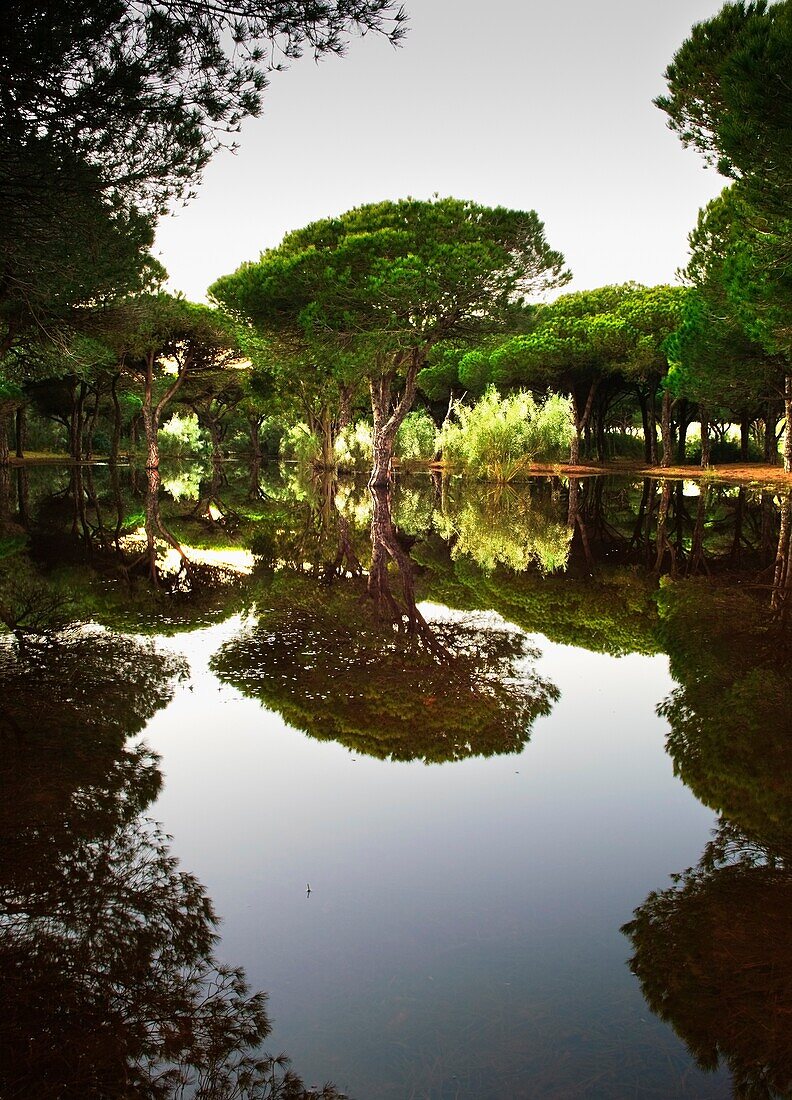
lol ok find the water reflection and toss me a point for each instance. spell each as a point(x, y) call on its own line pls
point(358, 662)
point(713, 955)
point(106, 948)
point(108, 975)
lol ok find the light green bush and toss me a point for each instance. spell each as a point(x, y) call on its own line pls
point(417, 438)
point(499, 437)
point(353, 447)
point(182, 435)
point(301, 445)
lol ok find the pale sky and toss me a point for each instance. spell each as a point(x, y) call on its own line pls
point(523, 104)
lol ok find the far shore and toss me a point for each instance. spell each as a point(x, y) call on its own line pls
point(736, 473)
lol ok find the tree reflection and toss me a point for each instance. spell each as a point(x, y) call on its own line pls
point(731, 713)
point(504, 527)
point(714, 958)
point(358, 662)
point(108, 977)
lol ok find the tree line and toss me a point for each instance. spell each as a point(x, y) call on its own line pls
point(108, 115)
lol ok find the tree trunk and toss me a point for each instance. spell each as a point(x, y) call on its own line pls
point(21, 425)
point(653, 421)
point(645, 423)
point(387, 420)
point(4, 453)
point(151, 428)
point(254, 427)
point(214, 435)
point(325, 426)
point(581, 422)
point(665, 429)
point(745, 431)
point(788, 424)
point(74, 436)
point(684, 423)
point(770, 437)
point(91, 430)
point(574, 446)
point(705, 437)
point(115, 442)
point(345, 408)
point(150, 415)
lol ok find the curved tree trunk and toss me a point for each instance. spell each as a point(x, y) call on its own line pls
point(151, 428)
point(388, 418)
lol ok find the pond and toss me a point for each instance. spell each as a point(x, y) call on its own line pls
point(489, 787)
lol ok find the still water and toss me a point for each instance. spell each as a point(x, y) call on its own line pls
point(427, 756)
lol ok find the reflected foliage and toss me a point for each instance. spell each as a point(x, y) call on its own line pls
point(398, 700)
point(731, 713)
point(108, 976)
point(713, 955)
point(504, 527)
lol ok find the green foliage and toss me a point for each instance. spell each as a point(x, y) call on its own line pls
point(729, 95)
point(417, 438)
point(499, 437)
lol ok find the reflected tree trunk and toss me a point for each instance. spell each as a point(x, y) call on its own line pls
point(737, 540)
point(155, 528)
point(788, 424)
point(697, 559)
point(664, 545)
point(23, 496)
point(781, 599)
point(385, 548)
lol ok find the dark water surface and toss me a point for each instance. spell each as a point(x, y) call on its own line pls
point(486, 726)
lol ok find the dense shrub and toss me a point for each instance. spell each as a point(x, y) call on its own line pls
point(499, 437)
point(721, 451)
point(624, 445)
